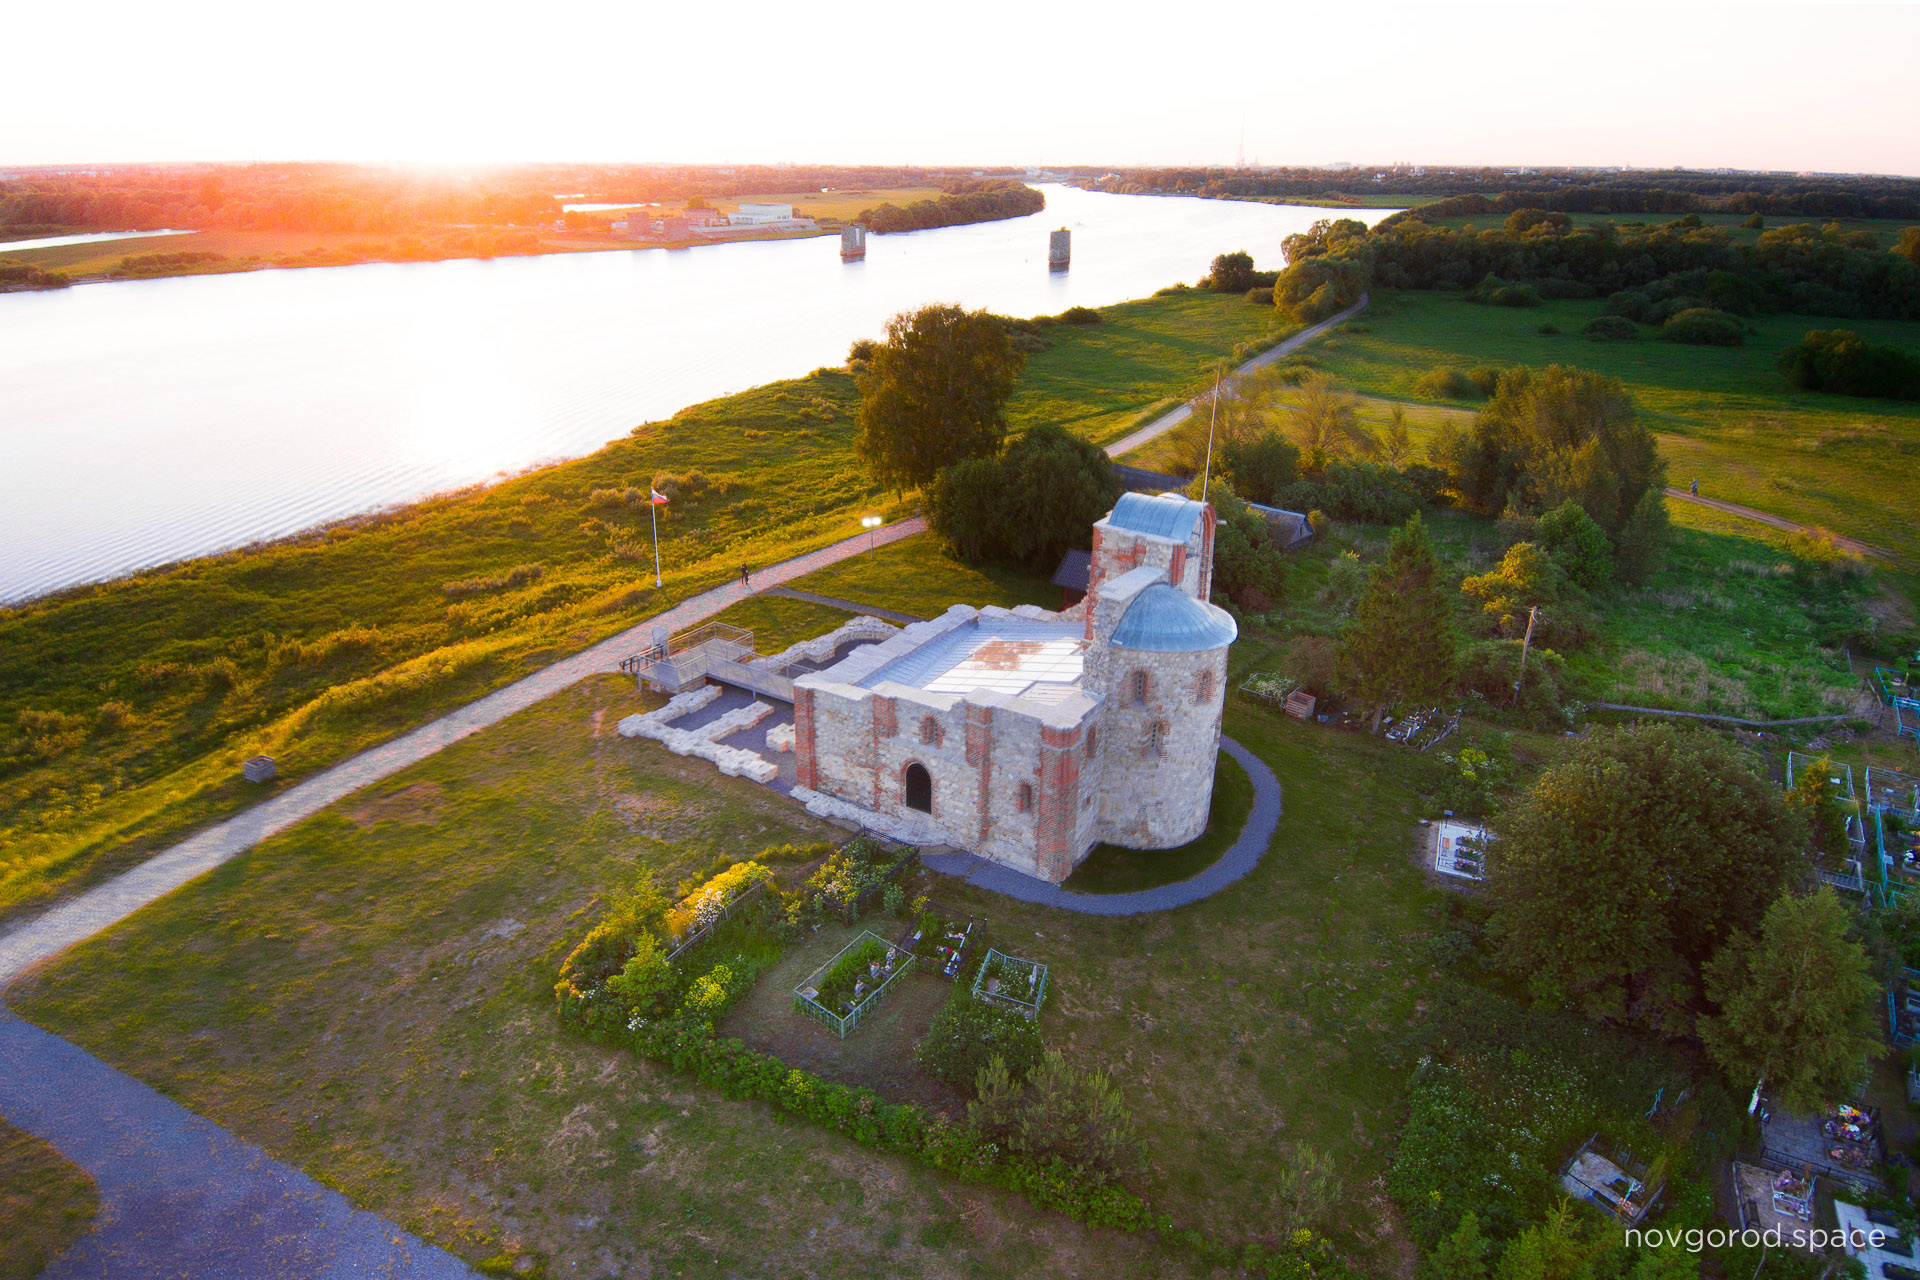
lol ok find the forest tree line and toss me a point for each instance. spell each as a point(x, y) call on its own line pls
point(961, 201)
point(352, 198)
point(1495, 190)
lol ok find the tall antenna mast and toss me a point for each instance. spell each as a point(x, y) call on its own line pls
point(1243, 140)
point(1206, 474)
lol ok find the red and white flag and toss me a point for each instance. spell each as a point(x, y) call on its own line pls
point(656, 497)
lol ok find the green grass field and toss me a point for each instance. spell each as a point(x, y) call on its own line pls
point(394, 957)
point(127, 708)
point(1724, 415)
point(46, 1203)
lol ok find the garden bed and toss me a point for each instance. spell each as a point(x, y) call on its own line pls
point(844, 990)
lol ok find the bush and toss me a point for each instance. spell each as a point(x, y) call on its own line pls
point(1264, 297)
point(1444, 382)
point(1703, 327)
point(1056, 1113)
point(1079, 315)
point(966, 1035)
point(1548, 330)
point(1577, 545)
point(1842, 362)
point(1309, 662)
point(1231, 273)
point(1488, 669)
point(1612, 328)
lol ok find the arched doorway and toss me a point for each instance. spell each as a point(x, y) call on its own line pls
point(919, 788)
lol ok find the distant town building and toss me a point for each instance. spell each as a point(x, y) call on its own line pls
point(753, 215)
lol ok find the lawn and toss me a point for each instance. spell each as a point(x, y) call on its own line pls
point(46, 1203)
point(1112, 869)
point(393, 958)
point(1724, 416)
point(141, 697)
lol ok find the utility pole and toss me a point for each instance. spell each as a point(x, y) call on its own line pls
point(1532, 615)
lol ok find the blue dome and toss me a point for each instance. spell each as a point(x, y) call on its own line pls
point(1164, 619)
point(1164, 515)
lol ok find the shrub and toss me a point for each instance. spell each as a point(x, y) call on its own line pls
point(1548, 330)
point(1444, 382)
point(1079, 315)
point(516, 576)
point(1610, 329)
point(1028, 505)
point(1056, 1113)
point(1263, 297)
point(1842, 362)
point(1577, 545)
point(1309, 662)
point(1703, 327)
point(968, 1033)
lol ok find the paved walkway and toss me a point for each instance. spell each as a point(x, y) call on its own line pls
point(851, 606)
point(1778, 522)
point(101, 907)
point(1174, 417)
point(1262, 821)
point(179, 1196)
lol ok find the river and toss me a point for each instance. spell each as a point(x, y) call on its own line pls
point(143, 422)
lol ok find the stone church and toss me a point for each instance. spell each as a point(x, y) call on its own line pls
point(1028, 737)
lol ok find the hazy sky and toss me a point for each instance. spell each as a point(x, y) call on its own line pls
point(1760, 86)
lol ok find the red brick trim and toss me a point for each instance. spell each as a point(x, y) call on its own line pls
point(806, 765)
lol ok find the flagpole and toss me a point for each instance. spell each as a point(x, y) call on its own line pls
point(653, 514)
point(1206, 474)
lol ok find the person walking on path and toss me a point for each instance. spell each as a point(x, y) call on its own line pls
point(745, 579)
point(1694, 489)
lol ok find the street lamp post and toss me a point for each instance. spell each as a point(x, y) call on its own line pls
point(871, 524)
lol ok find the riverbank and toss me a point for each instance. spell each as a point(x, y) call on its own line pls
point(195, 253)
point(133, 703)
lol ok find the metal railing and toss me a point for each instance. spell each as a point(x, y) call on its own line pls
point(842, 1023)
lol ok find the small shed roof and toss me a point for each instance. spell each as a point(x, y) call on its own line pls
point(1076, 569)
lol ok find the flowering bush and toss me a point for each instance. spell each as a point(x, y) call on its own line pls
point(703, 906)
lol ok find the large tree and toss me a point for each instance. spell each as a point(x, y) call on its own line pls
point(1554, 435)
point(1026, 506)
point(1401, 645)
point(1624, 868)
point(1796, 1004)
point(932, 394)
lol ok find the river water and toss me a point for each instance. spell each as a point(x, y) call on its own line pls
point(143, 422)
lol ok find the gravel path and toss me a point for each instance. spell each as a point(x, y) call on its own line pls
point(107, 904)
point(1778, 522)
point(1262, 821)
point(1174, 417)
point(182, 1198)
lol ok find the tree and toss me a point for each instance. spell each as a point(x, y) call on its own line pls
point(1624, 868)
point(1027, 506)
point(1056, 1111)
point(1558, 1249)
point(1462, 1255)
point(1527, 578)
point(1577, 545)
point(933, 393)
point(1231, 273)
point(1909, 245)
point(1814, 797)
point(1244, 558)
point(1396, 444)
point(1325, 423)
point(1400, 646)
point(1260, 466)
point(1305, 1186)
point(1556, 435)
point(1796, 1004)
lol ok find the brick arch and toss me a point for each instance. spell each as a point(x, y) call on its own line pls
point(916, 782)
